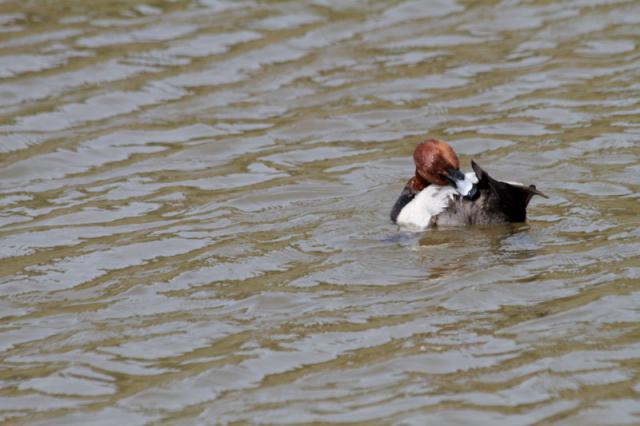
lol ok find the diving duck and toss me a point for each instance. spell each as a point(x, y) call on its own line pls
point(440, 194)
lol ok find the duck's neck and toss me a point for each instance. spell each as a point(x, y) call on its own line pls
point(417, 184)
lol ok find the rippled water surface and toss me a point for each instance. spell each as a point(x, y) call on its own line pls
point(194, 212)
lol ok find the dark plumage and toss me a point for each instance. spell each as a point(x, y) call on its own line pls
point(494, 202)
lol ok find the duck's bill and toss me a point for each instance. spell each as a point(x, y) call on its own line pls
point(465, 186)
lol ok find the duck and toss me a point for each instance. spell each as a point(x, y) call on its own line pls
point(439, 194)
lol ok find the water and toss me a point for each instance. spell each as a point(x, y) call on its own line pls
point(194, 213)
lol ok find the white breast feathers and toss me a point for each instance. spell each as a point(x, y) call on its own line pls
point(429, 202)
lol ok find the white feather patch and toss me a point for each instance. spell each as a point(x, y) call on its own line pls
point(429, 202)
point(464, 186)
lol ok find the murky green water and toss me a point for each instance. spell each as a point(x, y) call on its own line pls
point(194, 212)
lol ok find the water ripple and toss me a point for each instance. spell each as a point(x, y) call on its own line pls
point(194, 213)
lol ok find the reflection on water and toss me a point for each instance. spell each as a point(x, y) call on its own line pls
point(194, 212)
